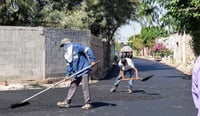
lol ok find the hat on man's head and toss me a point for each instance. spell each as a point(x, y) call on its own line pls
point(64, 41)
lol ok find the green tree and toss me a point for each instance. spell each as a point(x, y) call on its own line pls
point(51, 13)
point(102, 17)
point(21, 12)
point(150, 14)
point(184, 17)
point(150, 18)
point(149, 35)
point(75, 18)
point(109, 15)
point(137, 43)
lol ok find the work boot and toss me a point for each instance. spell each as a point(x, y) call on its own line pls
point(63, 104)
point(130, 91)
point(86, 106)
point(113, 89)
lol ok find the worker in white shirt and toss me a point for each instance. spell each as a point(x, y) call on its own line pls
point(126, 66)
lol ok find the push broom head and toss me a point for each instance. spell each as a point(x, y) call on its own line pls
point(19, 104)
point(147, 78)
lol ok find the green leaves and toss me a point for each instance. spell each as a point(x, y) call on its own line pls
point(184, 12)
point(102, 17)
point(152, 33)
point(109, 15)
point(184, 17)
point(147, 37)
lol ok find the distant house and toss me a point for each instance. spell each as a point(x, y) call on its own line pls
point(180, 45)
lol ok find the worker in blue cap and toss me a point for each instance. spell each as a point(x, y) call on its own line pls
point(77, 57)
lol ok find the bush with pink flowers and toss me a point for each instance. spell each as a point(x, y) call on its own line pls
point(158, 47)
point(160, 50)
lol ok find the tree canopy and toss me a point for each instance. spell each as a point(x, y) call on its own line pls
point(51, 13)
point(149, 34)
point(184, 17)
point(110, 15)
point(102, 17)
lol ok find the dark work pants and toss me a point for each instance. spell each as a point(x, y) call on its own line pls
point(85, 87)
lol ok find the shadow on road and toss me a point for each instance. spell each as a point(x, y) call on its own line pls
point(96, 105)
point(134, 91)
point(141, 92)
point(101, 104)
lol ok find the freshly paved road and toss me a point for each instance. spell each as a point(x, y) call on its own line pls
point(166, 94)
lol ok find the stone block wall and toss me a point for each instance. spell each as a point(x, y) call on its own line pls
point(54, 60)
point(99, 50)
point(21, 53)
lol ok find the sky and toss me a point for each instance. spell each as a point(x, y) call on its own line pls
point(125, 31)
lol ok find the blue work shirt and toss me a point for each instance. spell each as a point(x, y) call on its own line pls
point(82, 56)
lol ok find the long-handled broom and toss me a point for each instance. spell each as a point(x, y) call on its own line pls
point(141, 79)
point(25, 102)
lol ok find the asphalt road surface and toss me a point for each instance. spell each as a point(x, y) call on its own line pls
point(166, 94)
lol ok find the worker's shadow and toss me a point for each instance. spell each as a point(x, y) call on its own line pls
point(98, 104)
point(134, 91)
point(139, 91)
point(101, 104)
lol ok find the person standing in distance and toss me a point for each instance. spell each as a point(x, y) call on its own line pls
point(196, 85)
point(77, 57)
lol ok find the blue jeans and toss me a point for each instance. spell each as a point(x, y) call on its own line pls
point(130, 82)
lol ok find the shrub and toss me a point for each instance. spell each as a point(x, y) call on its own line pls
point(161, 50)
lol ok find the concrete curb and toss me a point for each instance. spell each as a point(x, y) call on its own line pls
point(27, 84)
